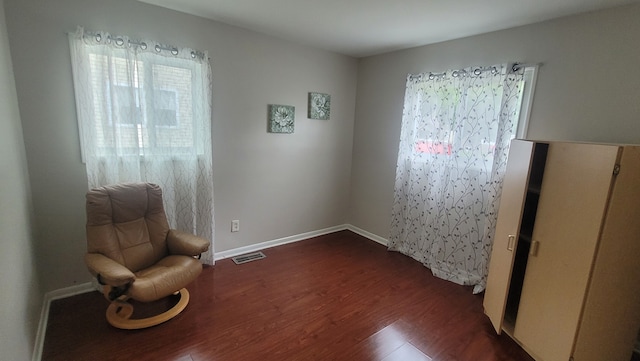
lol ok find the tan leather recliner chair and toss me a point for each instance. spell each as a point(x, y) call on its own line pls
point(134, 254)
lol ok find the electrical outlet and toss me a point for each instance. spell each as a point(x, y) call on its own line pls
point(235, 225)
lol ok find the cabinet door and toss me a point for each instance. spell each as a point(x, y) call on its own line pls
point(514, 189)
point(573, 200)
point(611, 318)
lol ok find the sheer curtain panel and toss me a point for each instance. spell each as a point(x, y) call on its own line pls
point(144, 114)
point(456, 129)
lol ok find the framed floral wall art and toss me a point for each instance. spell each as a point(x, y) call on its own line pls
point(281, 118)
point(319, 106)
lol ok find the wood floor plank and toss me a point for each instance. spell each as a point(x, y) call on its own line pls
point(334, 297)
point(407, 352)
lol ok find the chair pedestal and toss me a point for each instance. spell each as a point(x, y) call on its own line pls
point(120, 311)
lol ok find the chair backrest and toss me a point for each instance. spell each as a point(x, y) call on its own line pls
point(127, 223)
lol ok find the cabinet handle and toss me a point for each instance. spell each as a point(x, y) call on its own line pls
point(533, 251)
point(511, 243)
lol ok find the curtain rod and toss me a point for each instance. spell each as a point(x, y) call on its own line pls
point(118, 40)
point(455, 73)
point(518, 66)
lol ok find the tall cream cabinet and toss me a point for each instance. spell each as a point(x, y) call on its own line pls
point(564, 274)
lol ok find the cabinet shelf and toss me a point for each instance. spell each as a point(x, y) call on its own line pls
point(526, 238)
point(534, 189)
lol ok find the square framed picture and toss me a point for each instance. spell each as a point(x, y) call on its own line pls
point(281, 118)
point(319, 106)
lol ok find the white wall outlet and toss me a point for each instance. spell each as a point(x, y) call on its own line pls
point(235, 225)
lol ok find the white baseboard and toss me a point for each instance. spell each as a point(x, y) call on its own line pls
point(89, 286)
point(371, 236)
point(44, 313)
point(277, 242)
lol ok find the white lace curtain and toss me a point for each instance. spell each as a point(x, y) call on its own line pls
point(144, 114)
point(456, 129)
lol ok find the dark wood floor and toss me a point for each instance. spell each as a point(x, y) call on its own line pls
point(334, 297)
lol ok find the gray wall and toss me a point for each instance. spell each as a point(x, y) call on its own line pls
point(588, 90)
point(21, 296)
point(276, 185)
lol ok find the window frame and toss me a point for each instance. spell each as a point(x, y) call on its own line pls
point(528, 92)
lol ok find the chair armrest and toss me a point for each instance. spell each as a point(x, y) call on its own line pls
point(187, 244)
point(110, 272)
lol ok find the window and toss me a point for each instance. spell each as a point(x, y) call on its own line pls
point(143, 106)
point(436, 135)
point(456, 130)
point(165, 107)
point(144, 115)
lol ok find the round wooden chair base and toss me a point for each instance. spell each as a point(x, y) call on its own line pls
point(119, 313)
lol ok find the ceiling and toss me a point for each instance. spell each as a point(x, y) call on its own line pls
point(366, 27)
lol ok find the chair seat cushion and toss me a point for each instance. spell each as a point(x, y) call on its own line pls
point(164, 278)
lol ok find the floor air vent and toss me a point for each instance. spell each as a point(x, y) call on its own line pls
point(248, 257)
